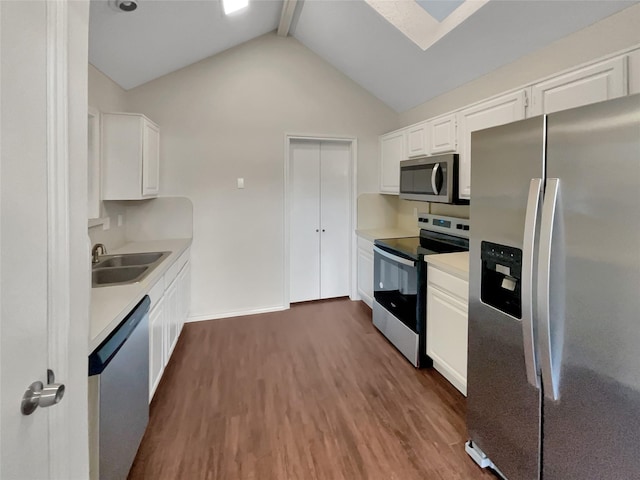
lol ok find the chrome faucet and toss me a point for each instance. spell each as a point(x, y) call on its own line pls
point(94, 252)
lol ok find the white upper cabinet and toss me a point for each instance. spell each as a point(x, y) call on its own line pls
point(392, 146)
point(130, 157)
point(432, 137)
point(634, 72)
point(442, 134)
point(498, 111)
point(150, 159)
point(418, 140)
point(596, 83)
point(93, 163)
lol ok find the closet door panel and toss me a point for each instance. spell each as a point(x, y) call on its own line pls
point(334, 219)
point(304, 176)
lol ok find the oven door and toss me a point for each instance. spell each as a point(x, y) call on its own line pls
point(395, 285)
point(427, 179)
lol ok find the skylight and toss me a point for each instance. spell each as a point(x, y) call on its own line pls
point(231, 6)
point(424, 22)
point(440, 9)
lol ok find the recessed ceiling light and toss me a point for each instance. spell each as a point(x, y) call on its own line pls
point(231, 6)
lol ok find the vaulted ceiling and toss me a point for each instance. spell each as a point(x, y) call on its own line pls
point(377, 43)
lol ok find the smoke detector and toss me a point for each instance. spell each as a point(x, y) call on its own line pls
point(124, 5)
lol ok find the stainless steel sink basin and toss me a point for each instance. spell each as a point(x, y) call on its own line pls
point(102, 277)
point(130, 259)
point(125, 268)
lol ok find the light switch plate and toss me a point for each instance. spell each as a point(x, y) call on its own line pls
point(240, 182)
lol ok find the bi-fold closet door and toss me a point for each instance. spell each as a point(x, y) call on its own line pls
point(320, 178)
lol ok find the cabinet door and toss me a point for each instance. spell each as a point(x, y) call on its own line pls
point(150, 159)
point(156, 346)
point(447, 328)
point(417, 140)
point(171, 316)
point(391, 152)
point(365, 272)
point(184, 280)
point(596, 83)
point(634, 72)
point(443, 134)
point(505, 109)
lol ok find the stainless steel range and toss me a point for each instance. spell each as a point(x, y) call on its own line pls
point(400, 281)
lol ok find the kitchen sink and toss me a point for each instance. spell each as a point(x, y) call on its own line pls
point(101, 277)
point(125, 268)
point(130, 259)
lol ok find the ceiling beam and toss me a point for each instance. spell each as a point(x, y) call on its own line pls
point(288, 8)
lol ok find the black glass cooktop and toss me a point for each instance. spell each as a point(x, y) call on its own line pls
point(428, 243)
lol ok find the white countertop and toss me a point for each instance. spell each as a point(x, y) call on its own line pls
point(388, 232)
point(110, 305)
point(454, 263)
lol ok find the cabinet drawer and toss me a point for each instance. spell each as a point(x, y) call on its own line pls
point(174, 269)
point(365, 245)
point(156, 292)
point(449, 283)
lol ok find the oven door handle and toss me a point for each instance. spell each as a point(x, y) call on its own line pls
point(391, 256)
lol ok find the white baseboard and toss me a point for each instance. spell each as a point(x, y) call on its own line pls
point(236, 313)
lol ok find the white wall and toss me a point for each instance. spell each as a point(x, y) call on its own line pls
point(608, 36)
point(107, 96)
point(226, 117)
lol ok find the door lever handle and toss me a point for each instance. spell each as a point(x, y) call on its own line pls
point(40, 395)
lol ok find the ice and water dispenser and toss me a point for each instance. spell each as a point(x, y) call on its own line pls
point(502, 278)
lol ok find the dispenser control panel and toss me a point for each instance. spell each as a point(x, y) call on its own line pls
point(502, 278)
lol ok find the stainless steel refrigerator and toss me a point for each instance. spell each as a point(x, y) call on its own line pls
point(554, 303)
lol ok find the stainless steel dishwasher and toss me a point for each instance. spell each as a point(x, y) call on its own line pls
point(119, 395)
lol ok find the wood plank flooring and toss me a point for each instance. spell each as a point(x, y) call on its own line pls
point(314, 392)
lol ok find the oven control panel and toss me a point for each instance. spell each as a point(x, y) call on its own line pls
point(440, 223)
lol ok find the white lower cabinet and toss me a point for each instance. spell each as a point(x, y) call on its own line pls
point(169, 311)
point(156, 346)
point(447, 326)
point(171, 325)
point(365, 271)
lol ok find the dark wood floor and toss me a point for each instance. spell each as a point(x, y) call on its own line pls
point(314, 392)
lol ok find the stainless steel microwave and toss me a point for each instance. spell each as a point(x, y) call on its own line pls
point(431, 179)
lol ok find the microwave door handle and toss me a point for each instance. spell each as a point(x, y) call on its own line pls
point(390, 256)
point(434, 174)
point(549, 329)
point(528, 330)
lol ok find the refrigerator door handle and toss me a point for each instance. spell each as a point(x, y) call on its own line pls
point(434, 172)
point(528, 327)
point(549, 346)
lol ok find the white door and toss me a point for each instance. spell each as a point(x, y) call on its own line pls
point(304, 174)
point(320, 179)
point(334, 219)
point(44, 284)
point(150, 159)
point(392, 147)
